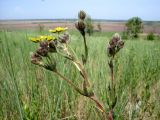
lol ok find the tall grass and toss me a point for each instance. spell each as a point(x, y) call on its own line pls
point(29, 92)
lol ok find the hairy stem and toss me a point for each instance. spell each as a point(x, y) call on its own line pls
point(112, 73)
point(69, 82)
point(111, 66)
point(84, 58)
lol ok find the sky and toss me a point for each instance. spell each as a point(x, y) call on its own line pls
point(97, 9)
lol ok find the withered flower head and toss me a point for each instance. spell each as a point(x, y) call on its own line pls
point(80, 25)
point(120, 44)
point(64, 38)
point(52, 46)
point(113, 41)
point(36, 59)
point(81, 15)
point(115, 44)
point(42, 51)
point(44, 44)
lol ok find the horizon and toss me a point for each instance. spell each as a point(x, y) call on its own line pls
point(98, 9)
point(73, 19)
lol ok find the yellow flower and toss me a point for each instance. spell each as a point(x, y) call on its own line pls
point(41, 38)
point(52, 31)
point(58, 29)
point(49, 38)
point(36, 39)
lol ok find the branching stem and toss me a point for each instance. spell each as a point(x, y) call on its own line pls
point(69, 82)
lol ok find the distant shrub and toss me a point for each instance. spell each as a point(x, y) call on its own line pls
point(134, 26)
point(99, 27)
point(89, 25)
point(151, 36)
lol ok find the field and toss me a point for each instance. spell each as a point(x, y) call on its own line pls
point(33, 93)
point(107, 26)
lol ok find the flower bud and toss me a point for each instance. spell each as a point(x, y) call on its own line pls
point(113, 41)
point(116, 35)
point(64, 38)
point(44, 44)
point(115, 44)
point(120, 44)
point(36, 59)
point(80, 25)
point(81, 15)
point(52, 46)
point(42, 51)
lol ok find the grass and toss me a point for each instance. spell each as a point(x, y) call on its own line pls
point(30, 92)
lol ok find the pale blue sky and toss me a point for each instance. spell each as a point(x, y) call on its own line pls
point(97, 9)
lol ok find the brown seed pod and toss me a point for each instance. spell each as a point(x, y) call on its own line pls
point(52, 46)
point(42, 51)
point(81, 15)
point(115, 44)
point(64, 38)
point(80, 25)
point(120, 44)
point(44, 44)
point(36, 58)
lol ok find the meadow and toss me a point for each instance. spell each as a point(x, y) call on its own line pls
point(32, 93)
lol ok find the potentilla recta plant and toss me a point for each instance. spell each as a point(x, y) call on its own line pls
point(58, 44)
